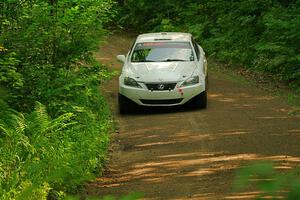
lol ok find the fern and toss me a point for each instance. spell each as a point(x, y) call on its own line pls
point(62, 122)
point(30, 143)
point(38, 120)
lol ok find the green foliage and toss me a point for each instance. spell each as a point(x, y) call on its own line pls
point(49, 37)
point(54, 123)
point(277, 50)
point(269, 181)
point(262, 35)
point(39, 153)
point(10, 78)
point(28, 146)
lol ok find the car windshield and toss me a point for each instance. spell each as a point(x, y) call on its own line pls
point(162, 52)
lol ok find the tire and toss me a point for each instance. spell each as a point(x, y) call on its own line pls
point(200, 101)
point(125, 105)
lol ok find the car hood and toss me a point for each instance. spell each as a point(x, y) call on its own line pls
point(161, 71)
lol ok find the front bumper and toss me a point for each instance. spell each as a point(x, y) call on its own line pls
point(145, 97)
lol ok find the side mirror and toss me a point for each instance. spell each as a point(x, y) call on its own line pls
point(121, 58)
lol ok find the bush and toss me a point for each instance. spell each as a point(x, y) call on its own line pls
point(54, 123)
point(39, 153)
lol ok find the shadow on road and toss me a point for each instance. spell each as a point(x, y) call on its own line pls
point(145, 110)
point(184, 153)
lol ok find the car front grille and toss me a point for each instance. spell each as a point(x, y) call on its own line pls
point(160, 101)
point(160, 86)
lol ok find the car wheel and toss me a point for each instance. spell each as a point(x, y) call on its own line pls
point(125, 105)
point(200, 101)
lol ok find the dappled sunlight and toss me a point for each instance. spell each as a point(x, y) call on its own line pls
point(194, 154)
point(155, 143)
point(227, 100)
point(176, 153)
point(163, 169)
point(214, 95)
point(238, 100)
point(180, 152)
point(179, 166)
point(245, 95)
point(112, 185)
point(184, 163)
point(287, 160)
point(283, 110)
point(187, 165)
point(212, 169)
point(264, 98)
point(148, 132)
point(156, 179)
point(244, 106)
point(141, 171)
point(153, 136)
point(185, 137)
point(221, 97)
point(252, 195)
point(244, 195)
point(234, 132)
point(294, 131)
point(267, 117)
point(148, 176)
point(185, 155)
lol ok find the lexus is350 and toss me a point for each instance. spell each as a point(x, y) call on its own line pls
point(163, 69)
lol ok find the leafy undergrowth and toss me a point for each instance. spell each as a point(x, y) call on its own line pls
point(43, 156)
point(54, 123)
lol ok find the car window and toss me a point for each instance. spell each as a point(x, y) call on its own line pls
point(197, 50)
point(131, 48)
point(162, 52)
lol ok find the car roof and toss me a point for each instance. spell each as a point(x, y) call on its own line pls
point(164, 36)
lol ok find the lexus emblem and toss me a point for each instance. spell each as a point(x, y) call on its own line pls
point(160, 87)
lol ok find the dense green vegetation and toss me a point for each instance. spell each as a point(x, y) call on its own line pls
point(261, 35)
point(54, 123)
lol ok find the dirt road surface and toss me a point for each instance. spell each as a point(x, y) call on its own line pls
point(193, 154)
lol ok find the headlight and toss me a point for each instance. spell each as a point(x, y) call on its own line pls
point(190, 81)
point(131, 82)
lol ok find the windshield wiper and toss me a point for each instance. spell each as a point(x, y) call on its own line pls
point(169, 60)
point(144, 61)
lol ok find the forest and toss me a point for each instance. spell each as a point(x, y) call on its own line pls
point(54, 122)
point(261, 35)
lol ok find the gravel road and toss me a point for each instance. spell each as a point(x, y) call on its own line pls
point(181, 153)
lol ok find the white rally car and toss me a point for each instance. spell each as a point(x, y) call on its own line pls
point(163, 69)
